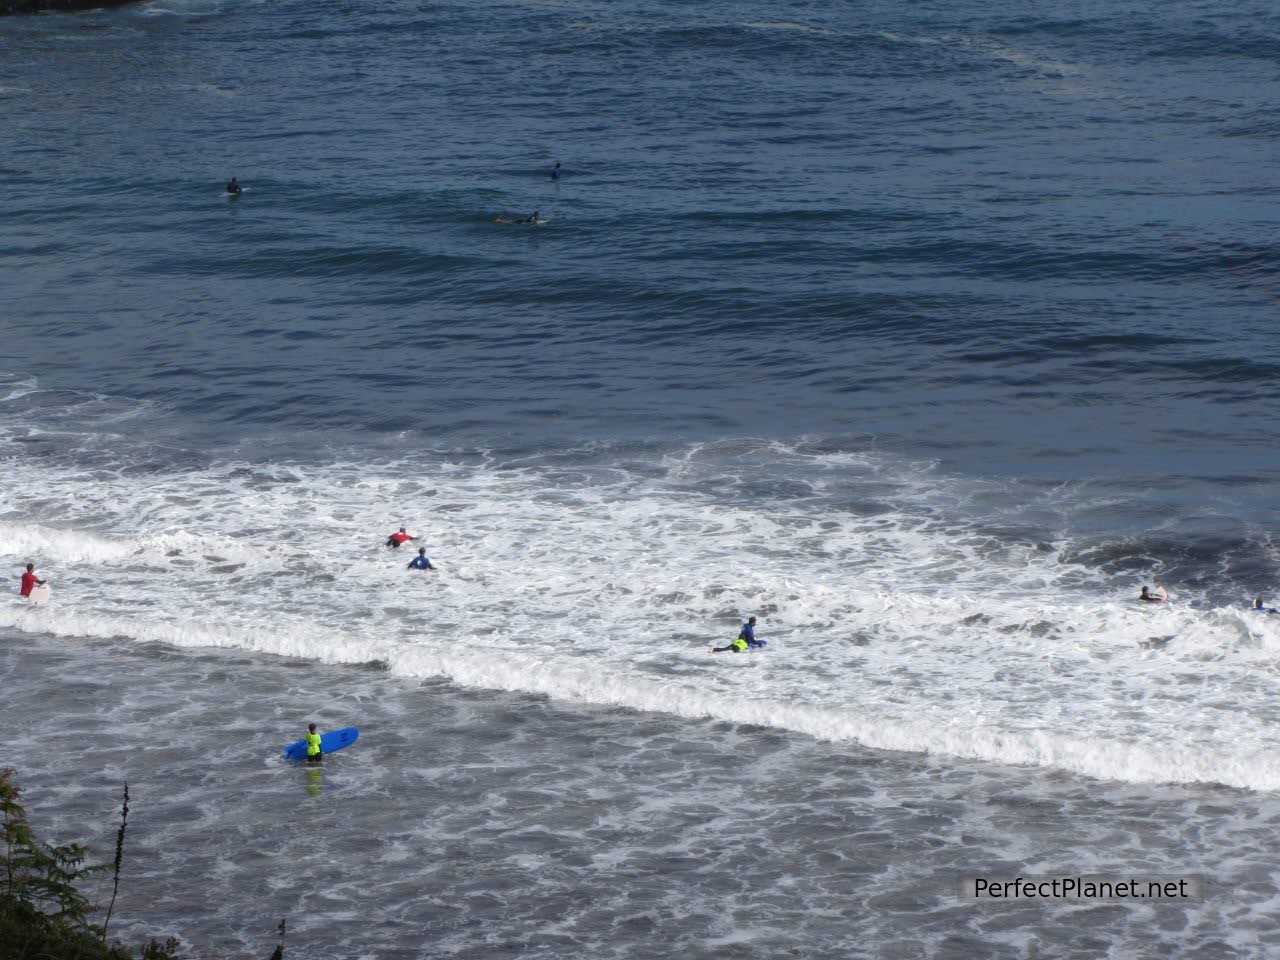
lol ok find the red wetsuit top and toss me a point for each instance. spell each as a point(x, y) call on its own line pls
point(29, 581)
point(400, 537)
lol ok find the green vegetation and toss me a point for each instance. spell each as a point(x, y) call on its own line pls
point(43, 914)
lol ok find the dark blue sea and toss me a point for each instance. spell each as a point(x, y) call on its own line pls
point(928, 333)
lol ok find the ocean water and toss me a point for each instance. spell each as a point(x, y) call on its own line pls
point(927, 334)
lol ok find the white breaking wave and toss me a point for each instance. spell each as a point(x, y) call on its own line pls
point(896, 617)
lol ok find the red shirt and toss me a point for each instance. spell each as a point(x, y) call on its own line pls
point(29, 581)
point(400, 537)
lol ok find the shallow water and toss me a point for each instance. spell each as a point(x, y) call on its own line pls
point(472, 823)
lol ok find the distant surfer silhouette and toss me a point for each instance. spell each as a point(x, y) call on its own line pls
point(536, 218)
point(1257, 605)
point(1150, 597)
point(555, 172)
point(233, 187)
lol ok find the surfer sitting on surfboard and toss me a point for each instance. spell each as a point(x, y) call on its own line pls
point(30, 581)
point(746, 639)
point(421, 561)
point(398, 538)
point(1150, 597)
point(233, 187)
point(748, 633)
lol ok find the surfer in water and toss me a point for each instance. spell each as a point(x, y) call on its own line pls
point(233, 187)
point(402, 536)
point(555, 173)
point(1150, 597)
point(421, 561)
point(536, 218)
point(746, 639)
point(1258, 607)
point(30, 581)
point(314, 753)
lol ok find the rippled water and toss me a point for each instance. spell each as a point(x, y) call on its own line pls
point(470, 823)
point(926, 334)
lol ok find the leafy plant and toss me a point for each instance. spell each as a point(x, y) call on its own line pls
point(43, 915)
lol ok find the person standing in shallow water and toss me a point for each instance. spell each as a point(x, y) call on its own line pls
point(30, 581)
point(314, 753)
point(421, 561)
point(400, 536)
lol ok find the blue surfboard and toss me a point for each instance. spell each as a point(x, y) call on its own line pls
point(329, 742)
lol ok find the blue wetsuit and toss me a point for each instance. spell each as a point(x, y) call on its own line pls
point(749, 634)
point(420, 563)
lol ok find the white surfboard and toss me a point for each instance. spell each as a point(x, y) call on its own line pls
point(40, 593)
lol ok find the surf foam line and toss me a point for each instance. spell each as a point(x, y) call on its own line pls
point(1101, 759)
point(72, 546)
point(517, 672)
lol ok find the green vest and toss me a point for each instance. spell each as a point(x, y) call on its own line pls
point(739, 645)
point(313, 744)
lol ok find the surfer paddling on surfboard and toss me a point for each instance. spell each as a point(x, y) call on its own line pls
point(30, 581)
point(1259, 608)
point(508, 220)
point(1149, 597)
point(402, 536)
point(746, 639)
